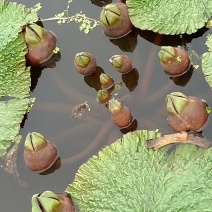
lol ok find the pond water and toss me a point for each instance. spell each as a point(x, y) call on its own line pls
point(61, 88)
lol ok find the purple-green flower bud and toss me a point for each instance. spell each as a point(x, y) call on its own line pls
point(47, 201)
point(103, 96)
point(85, 63)
point(121, 63)
point(110, 14)
point(106, 81)
point(39, 154)
point(115, 21)
point(186, 112)
point(34, 142)
point(40, 43)
point(174, 61)
point(34, 34)
point(82, 59)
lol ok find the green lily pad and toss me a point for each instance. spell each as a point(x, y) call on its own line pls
point(169, 16)
point(207, 62)
point(126, 176)
point(11, 115)
point(15, 77)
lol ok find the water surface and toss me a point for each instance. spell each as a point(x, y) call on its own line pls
point(59, 89)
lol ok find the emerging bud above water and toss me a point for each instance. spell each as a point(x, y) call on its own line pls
point(114, 20)
point(186, 112)
point(85, 63)
point(49, 201)
point(121, 63)
point(174, 61)
point(106, 81)
point(103, 96)
point(39, 154)
point(120, 114)
point(40, 43)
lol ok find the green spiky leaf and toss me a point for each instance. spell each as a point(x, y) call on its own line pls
point(207, 61)
point(15, 77)
point(169, 16)
point(11, 115)
point(126, 176)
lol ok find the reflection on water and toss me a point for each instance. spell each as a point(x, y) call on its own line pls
point(58, 90)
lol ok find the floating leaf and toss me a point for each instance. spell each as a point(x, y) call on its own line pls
point(11, 115)
point(207, 61)
point(14, 76)
point(169, 16)
point(126, 176)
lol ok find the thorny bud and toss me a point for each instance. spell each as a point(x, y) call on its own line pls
point(34, 34)
point(82, 59)
point(186, 112)
point(50, 201)
point(34, 142)
point(120, 114)
point(121, 63)
point(106, 81)
point(47, 201)
point(115, 21)
point(110, 14)
point(103, 96)
point(85, 63)
point(175, 61)
point(41, 44)
point(39, 154)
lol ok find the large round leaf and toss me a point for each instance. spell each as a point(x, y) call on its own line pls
point(170, 16)
point(126, 176)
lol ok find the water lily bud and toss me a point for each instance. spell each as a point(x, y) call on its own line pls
point(103, 96)
point(114, 20)
point(85, 63)
point(106, 81)
point(121, 63)
point(186, 112)
point(40, 44)
point(174, 61)
point(120, 114)
point(39, 154)
point(49, 201)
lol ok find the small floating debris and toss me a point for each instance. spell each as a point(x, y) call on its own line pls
point(79, 109)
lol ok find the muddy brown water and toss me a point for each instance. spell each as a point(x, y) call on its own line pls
point(58, 90)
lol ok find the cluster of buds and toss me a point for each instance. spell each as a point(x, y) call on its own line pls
point(85, 64)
